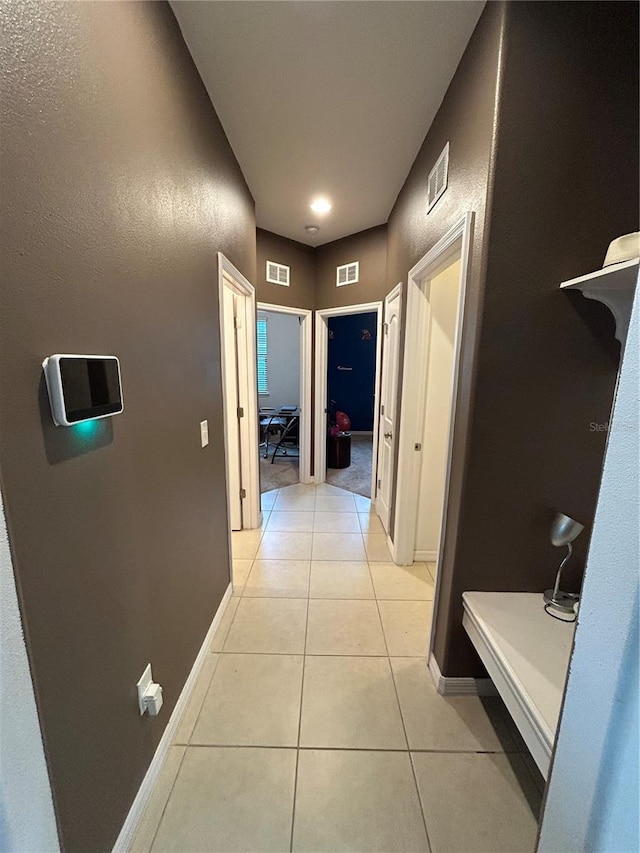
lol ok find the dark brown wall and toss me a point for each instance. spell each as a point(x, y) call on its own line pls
point(466, 119)
point(118, 190)
point(370, 248)
point(566, 184)
point(297, 256)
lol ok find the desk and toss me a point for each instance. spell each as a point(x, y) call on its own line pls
point(526, 653)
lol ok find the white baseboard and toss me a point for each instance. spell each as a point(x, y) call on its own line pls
point(425, 556)
point(129, 827)
point(460, 686)
point(391, 547)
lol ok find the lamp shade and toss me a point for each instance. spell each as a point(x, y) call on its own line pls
point(564, 530)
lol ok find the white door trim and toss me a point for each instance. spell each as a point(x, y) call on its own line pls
point(306, 376)
point(322, 338)
point(455, 243)
point(247, 386)
point(384, 378)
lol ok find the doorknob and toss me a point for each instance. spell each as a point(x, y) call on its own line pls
point(388, 435)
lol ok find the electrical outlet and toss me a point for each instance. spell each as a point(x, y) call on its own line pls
point(204, 433)
point(146, 680)
point(149, 693)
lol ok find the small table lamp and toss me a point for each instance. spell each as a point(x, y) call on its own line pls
point(563, 531)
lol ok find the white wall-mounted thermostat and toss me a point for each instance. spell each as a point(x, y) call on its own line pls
point(83, 387)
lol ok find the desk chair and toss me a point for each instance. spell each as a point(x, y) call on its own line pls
point(289, 434)
point(270, 423)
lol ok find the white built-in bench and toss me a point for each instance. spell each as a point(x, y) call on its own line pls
point(526, 653)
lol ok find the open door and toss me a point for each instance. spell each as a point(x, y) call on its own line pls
point(232, 421)
point(237, 312)
point(387, 414)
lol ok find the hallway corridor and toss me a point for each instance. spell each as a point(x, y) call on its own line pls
point(315, 725)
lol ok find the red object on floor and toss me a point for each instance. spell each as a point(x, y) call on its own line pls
point(343, 421)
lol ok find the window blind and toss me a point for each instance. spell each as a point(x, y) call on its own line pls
point(262, 341)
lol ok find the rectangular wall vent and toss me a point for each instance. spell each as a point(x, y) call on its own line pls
point(278, 273)
point(438, 177)
point(347, 274)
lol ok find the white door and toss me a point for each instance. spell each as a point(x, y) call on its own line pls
point(232, 422)
point(388, 391)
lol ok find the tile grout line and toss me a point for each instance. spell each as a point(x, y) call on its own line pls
point(244, 586)
point(233, 618)
point(304, 661)
point(166, 802)
point(319, 654)
point(335, 597)
point(422, 808)
point(413, 769)
point(218, 656)
point(345, 748)
point(404, 727)
point(331, 655)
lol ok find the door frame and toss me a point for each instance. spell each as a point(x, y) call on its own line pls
point(396, 291)
point(322, 365)
point(306, 332)
point(456, 243)
point(247, 388)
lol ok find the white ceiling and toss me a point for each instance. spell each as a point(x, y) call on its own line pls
point(326, 98)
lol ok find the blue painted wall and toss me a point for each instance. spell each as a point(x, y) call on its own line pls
point(352, 344)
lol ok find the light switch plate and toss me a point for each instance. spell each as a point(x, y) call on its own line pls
point(204, 433)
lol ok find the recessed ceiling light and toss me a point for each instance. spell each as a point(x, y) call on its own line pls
point(320, 205)
point(311, 229)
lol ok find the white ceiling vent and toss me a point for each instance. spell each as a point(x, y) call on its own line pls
point(438, 177)
point(347, 274)
point(278, 273)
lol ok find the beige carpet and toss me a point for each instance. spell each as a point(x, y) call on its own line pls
point(283, 472)
point(357, 477)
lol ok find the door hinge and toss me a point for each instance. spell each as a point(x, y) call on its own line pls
point(385, 326)
point(243, 493)
point(240, 412)
point(379, 483)
point(417, 446)
point(382, 410)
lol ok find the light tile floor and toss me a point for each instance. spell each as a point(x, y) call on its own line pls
point(315, 725)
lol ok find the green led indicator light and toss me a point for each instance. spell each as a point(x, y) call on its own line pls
point(86, 429)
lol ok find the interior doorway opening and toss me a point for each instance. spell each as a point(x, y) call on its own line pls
point(278, 399)
point(444, 298)
point(433, 341)
point(348, 347)
point(284, 395)
point(351, 376)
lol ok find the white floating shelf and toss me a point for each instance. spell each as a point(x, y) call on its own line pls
point(526, 653)
point(614, 286)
